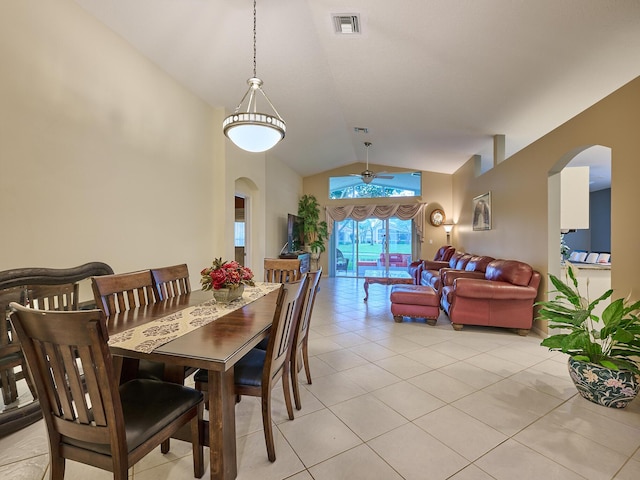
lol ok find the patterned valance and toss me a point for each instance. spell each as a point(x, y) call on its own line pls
point(361, 212)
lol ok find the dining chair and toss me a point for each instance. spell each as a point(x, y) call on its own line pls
point(172, 281)
point(299, 344)
point(280, 270)
point(89, 418)
point(49, 297)
point(11, 355)
point(258, 371)
point(124, 291)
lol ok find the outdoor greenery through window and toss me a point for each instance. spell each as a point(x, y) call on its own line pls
point(406, 184)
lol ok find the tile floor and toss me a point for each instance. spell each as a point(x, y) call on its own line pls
point(406, 401)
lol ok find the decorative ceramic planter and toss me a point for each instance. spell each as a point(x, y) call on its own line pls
point(227, 295)
point(611, 388)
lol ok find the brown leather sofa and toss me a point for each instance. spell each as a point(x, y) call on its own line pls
point(504, 297)
point(466, 263)
point(440, 260)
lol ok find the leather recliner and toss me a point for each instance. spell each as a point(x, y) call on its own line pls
point(503, 298)
point(443, 255)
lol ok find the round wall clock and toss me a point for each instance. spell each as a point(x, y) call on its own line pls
point(437, 217)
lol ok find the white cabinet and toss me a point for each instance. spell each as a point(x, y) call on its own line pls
point(574, 198)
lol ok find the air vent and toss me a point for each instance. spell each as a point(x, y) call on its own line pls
point(346, 24)
point(361, 129)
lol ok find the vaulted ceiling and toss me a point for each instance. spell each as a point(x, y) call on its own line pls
point(432, 80)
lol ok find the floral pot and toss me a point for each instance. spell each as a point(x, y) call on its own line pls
point(226, 295)
point(601, 385)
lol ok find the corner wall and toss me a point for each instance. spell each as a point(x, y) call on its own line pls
point(519, 190)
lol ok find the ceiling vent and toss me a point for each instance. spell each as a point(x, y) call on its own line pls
point(346, 24)
point(361, 129)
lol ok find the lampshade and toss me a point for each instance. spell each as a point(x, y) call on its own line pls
point(250, 130)
point(254, 132)
point(447, 227)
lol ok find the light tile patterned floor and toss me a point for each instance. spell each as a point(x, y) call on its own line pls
point(406, 401)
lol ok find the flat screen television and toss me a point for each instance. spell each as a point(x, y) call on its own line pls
point(294, 233)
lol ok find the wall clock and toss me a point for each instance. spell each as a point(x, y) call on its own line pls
point(437, 217)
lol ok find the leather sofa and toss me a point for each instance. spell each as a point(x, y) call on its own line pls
point(504, 297)
point(465, 262)
point(442, 257)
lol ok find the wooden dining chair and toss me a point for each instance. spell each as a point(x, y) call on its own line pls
point(11, 356)
point(46, 297)
point(172, 281)
point(299, 344)
point(280, 270)
point(258, 371)
point(89, 418)
point(124, 291)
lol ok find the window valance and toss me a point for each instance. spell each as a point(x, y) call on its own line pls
point(361, 212)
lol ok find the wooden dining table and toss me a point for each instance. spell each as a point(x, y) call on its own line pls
point(216, 347)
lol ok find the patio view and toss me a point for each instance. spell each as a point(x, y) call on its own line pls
point(372, 244)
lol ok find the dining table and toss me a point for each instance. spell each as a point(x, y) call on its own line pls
point(215, 345)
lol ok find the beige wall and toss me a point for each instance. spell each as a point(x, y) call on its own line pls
point(525, 225)
point(105, 157)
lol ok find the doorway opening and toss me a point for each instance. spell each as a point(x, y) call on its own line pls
point(372, 244)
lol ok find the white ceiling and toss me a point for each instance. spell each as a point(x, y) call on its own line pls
point(432, 80)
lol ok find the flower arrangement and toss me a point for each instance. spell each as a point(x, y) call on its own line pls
point(225, 275)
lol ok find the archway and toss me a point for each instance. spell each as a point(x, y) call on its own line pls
point(598, 160)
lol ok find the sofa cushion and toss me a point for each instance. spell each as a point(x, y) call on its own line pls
point(478, 263)
point(462, 261)
point(511, 271)
point(454, 259)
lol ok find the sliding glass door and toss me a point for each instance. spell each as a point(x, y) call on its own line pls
point(371, 244)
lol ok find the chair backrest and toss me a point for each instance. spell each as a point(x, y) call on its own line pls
point(124, 291)
point(287, 313)
point(280, 270)
point(172, 281)
point(307, 309)
point(52, 297)
point(72, 369)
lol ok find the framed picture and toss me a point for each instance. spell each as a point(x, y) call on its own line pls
point(482, 212)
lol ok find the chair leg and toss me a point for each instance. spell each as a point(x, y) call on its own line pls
point(295, 368)
point(197, 447)
point(57, 465)
point(165, 446)
point(267, 427)
point(305, 360)
point(286, 379)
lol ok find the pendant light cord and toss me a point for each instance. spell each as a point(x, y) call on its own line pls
point(254, 39)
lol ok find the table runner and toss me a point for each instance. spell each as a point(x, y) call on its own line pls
point(146, 338)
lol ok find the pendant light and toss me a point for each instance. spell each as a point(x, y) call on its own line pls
point(250, 130)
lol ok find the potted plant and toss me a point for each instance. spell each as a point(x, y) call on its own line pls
point(226, 279)
point(604, 353)
point(314, 231)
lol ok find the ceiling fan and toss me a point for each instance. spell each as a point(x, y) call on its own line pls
point(368, 175)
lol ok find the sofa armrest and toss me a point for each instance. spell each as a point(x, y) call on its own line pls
point(449, 275)
point(434, 265)
point(492, 290)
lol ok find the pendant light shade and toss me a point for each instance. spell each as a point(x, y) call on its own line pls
point(249, 129)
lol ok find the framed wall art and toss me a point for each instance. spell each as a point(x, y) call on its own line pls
point(481, 219)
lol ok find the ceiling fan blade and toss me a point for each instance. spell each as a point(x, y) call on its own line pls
point(384, 176)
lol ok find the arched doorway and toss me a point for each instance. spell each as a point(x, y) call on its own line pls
point(597, 237)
